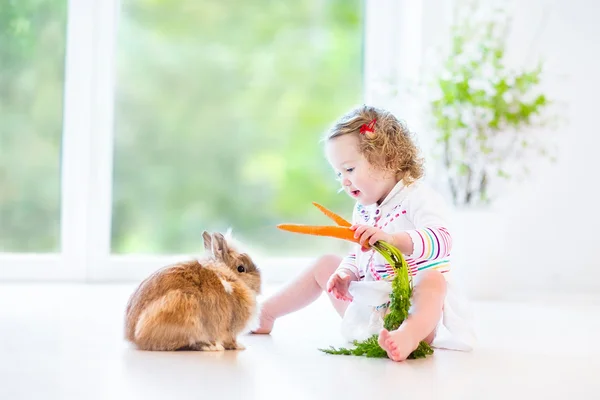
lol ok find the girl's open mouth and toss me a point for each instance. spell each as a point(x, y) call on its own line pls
point(355, 193)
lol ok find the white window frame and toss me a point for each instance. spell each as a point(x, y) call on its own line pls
point(87, 143)
point(69, 264)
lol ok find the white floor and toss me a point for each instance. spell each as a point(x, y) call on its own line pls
point(65, 342)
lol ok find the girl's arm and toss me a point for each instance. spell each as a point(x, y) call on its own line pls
point(349, 266)
point(403, 242)
point(430, 243)
point(431, 238)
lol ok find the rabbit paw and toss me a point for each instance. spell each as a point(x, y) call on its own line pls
point(233, 345)
point(211, 347)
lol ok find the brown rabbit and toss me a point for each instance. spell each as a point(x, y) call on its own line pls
point(196, 305)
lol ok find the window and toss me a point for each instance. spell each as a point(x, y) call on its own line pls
point(32, 53)
point(128, 127)
point(218, 113)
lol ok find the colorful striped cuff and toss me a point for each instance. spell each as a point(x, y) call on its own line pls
point(430, 243)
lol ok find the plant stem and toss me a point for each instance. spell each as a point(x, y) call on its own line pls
point(469, 192)
point(447, 164)
point(483, 185)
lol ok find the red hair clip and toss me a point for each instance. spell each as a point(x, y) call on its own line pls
point(368, 128)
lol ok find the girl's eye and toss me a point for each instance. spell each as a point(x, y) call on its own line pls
point(339, 174)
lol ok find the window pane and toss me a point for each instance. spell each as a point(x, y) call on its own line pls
point(219, 109)
point(32, 53)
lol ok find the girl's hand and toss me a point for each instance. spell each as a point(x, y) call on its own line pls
point(369, 235)
point(338, 285)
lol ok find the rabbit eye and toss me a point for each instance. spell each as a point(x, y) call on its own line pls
point(241, 268)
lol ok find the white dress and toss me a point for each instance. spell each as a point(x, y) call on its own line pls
point(420, 211)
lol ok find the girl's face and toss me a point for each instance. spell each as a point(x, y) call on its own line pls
point(363, 182)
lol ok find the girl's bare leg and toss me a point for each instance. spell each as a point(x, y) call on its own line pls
point(427, 302)
point(302, 291)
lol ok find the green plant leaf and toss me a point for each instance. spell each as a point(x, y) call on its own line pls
point(503, 174)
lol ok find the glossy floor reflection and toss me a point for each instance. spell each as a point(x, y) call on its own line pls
point(66, 342)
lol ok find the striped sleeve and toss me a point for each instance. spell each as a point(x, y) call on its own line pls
point(431, 237)
point(430, 243)
point(349, 264)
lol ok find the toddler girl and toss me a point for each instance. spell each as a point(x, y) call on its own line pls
point(378, 165)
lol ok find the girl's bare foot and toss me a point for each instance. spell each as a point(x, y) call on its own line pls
point(398, 344)
point(428, 301)
point(299, 293)
point(266, 324)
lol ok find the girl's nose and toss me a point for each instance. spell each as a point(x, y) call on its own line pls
point(346, 182)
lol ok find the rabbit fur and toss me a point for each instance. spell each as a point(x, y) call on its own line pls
point(198, 304)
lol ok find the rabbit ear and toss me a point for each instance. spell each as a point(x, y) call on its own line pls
point(220, 249)
point(207, 241)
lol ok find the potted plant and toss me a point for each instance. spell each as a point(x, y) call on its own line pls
point(486, 115)
point(484, 112)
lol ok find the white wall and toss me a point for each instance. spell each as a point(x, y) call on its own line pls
point(541, 236)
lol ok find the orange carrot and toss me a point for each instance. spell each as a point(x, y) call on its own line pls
point(335, 217)
point(339, 232)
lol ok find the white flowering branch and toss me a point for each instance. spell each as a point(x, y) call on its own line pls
point(483, 111)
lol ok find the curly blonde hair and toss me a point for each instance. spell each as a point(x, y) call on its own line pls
point(389, 146)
